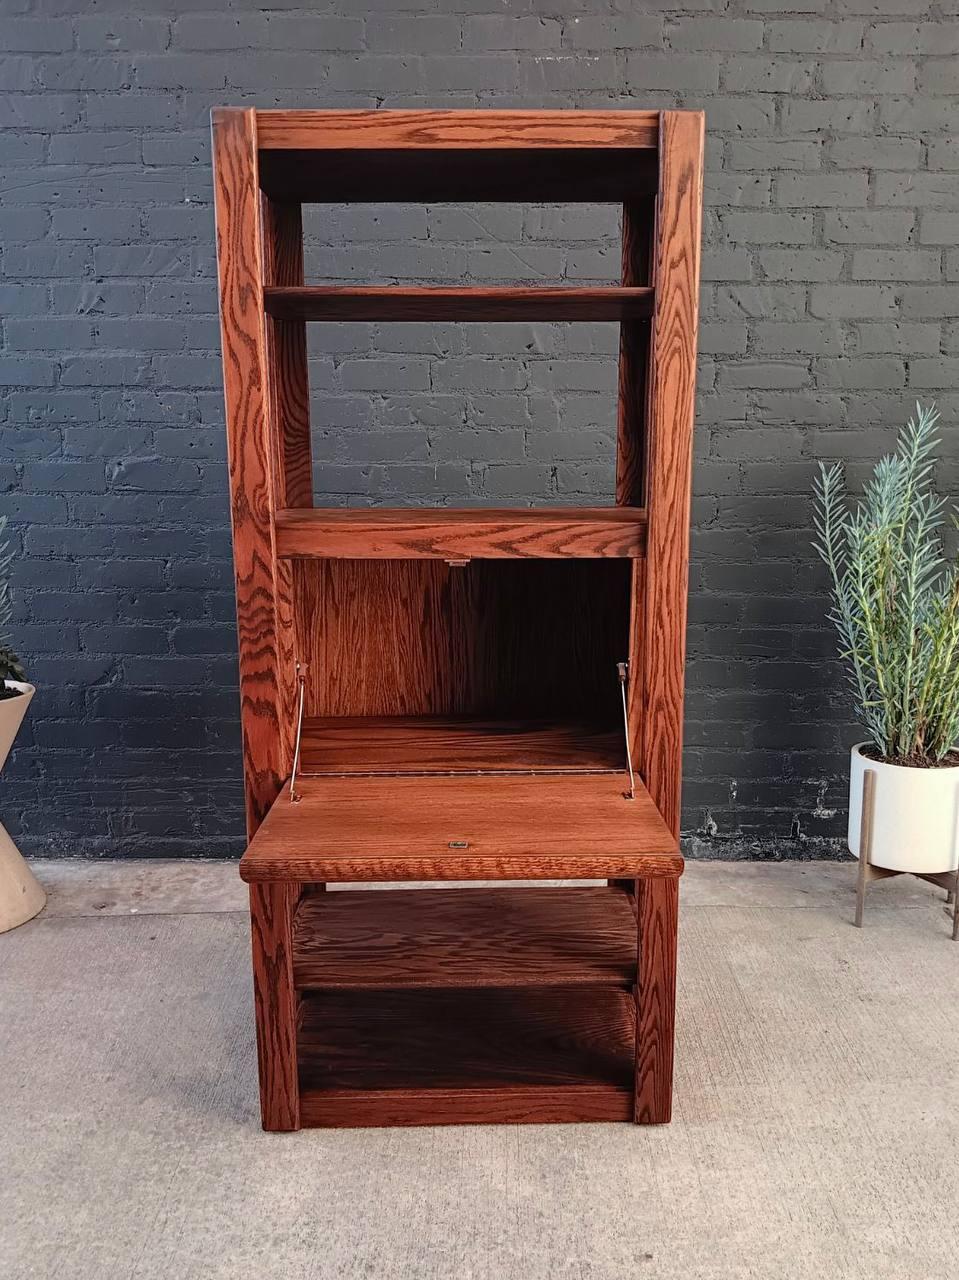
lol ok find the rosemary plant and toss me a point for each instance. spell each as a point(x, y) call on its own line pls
point(10, 665)
point(895, 598)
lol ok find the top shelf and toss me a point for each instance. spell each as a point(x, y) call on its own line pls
point(401, 302)
point(375, 130)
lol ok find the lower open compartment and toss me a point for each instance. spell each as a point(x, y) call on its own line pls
point(465, 1005)
point(473, 1056)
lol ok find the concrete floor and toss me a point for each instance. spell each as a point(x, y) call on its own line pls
point(816, 1129)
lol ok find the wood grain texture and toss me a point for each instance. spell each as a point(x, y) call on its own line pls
point(516, 1104)
point(669, 457)
point(514, 827)
point(442, 303)
point(446, 533)
point(513, 638)
point(272, 908)
point(657, 901)
point(288, 424)
point(465, 938)
point(435, 1057)
point(457, 130)
point(265, 689)
point(457, 744)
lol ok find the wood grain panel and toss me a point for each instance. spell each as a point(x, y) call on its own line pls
point(265, 689)
point(441, 303)
point(669, 457)
point(456, 130)
point(289, 423)
point(377, 636)
point(481, 827)
point(272, 908)
point(657, 904)
point(446, 533)
point(515, 1104)
point(465, 938)
point(518, 639)
point(457, 744)
point(433, 1057)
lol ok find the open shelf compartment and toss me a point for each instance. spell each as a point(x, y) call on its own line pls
point(461, 1057)
point(499, 666)
point(556, 936)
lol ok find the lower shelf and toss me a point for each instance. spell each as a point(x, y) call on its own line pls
point(500, 937)
point(466, 1057)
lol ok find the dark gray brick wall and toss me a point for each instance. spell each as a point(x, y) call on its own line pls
point(830, 301)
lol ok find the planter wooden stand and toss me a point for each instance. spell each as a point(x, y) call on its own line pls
point(460, 695)
point(867, 872)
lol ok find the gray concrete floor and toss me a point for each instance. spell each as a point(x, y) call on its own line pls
point(816, 1129)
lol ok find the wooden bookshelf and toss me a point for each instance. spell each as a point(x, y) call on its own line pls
point(433, 695)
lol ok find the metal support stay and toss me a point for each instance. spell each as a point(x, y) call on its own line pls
point(301, 680)
point(623, 669)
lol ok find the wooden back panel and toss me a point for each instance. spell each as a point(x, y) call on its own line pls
point(502, 639)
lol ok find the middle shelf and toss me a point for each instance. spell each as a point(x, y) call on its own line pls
point(466, 937)
point(458, 303)
point(442, 533)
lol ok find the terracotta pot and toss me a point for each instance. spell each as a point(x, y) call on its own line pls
point(21, 897)
point(915, 819)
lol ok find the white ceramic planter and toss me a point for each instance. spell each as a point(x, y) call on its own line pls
point(916, 816)
point(21, 897)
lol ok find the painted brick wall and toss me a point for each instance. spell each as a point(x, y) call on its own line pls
point(830, 297)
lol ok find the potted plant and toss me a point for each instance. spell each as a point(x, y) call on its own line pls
point(896, 608)
point(21, 897)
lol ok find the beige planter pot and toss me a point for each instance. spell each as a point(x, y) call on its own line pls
point(915, 823)
point(21, 897)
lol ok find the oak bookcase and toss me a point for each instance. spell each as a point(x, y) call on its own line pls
point(433, 695)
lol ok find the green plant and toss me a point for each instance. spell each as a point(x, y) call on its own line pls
point(895, 598)
point(10, 665)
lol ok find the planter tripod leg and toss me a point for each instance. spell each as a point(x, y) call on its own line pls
point(865, 841)
point(955, 909)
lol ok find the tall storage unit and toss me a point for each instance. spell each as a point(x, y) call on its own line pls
point(460, 695)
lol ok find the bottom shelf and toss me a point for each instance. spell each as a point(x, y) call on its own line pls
point(458, 744)
point(466, 1056)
